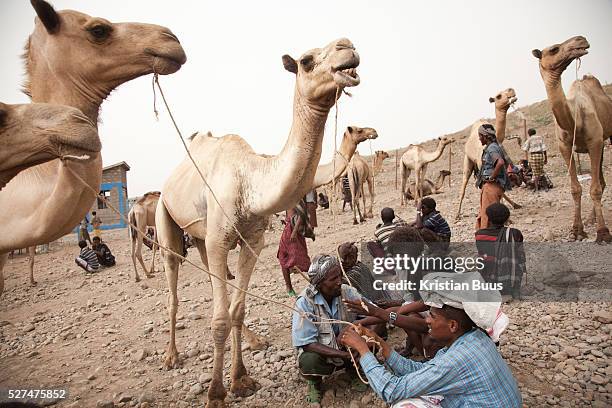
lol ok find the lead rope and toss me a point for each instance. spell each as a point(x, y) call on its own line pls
point(334, 157)
point(579, 86)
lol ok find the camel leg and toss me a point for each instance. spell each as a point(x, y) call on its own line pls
point(152, 267)
point(405, 174)
point(170, 236)
point(514, 205)
point(3, 259)
point(354, 197)
point(468, 168)
point(418, 186)
point(31, 253)
point(370, 214)
point(221, 323)
point(242, 384)
point(598, 185)
point(577, 227)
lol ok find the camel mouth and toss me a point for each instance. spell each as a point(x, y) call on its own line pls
point(372, 136)
point(513, 100)
point(346, 74)
point(581, 50)
point(167, 63)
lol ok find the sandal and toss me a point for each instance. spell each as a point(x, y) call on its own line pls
point(291, 293)
point(314, 395)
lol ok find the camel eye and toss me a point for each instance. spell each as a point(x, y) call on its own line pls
point(100, 32)
point(306, 62)
point(554, 50)
point(498, 97)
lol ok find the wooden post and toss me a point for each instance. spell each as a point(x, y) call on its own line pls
point(396, 152)
point(450, 158)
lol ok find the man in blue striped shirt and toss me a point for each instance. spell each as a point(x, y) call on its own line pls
point(87, 259)
point(467, 372)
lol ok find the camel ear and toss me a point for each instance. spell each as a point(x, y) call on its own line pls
point(537, 53)
point(350, 129)
point(290, 64)
point(491, 100)
point(47, 15)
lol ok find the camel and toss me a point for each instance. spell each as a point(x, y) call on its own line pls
point(416, 159)
point(353, 135)
point(87, 57)
point(380, 156)
point(472, 157)
point(428, 187)
point(359, 172)
point(142, 215)
point(35, 133)
point(249, 187)
point(582, 120)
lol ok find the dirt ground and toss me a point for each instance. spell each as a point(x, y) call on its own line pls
point(103, 336)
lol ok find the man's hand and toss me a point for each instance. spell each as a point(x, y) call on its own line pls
point(419, 205)
point(355, 306)
point(350, 338)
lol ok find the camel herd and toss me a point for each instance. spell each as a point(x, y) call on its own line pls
point(228, 198)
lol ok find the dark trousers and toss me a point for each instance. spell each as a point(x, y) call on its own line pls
point(313, 366)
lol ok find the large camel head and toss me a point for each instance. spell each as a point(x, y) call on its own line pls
point(72, 52)
point(320, 72)
point(504, 99)
point(554, 59)
point(35, 133)
point(358, 135)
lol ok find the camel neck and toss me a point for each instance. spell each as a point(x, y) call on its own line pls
point(290, 174)
point(500, 124)
point(558, 101)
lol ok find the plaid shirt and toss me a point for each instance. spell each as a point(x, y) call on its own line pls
point(469, 373)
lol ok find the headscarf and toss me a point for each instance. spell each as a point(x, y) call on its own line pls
point(486, 130)
point(482, 306)
point(320, 266)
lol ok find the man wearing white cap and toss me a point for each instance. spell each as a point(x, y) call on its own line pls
point(467, 372)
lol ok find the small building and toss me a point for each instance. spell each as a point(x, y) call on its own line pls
point(114, 190)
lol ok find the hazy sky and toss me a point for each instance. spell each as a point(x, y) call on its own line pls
point(427, 68)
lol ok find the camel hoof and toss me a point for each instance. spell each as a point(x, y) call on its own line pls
point(137, 279)
point(33, 283)
point(215, 403)
point(517, 206)
point(244, 386)
point(172, 360)
point(230, 276)
point(603, 235)
point(577, 235)
point(361, 221)
point(258, 344)
point(355, 222)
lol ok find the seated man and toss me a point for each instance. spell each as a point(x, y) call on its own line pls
point(87, 259)
point(319, 354)
point(323, 201)
point(467, 372)
point(433, 227)
point(503, 252)
point(105, 257)
point(361, 277)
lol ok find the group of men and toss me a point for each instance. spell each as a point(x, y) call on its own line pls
point(454, 337)
point(99, 255)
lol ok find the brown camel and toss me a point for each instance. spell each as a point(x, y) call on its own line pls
point(87, 57)
point(379, 158)
point(249, 187)
point(35, 133)
point(472, 157)
point(416, 159)
point(142, 215)
point(352, 137)
point(583, 120)
point(428, 187)
point(359, 172)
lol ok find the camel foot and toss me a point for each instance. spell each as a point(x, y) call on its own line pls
point(172, 359)
point(214, 403)
point(577, 234)
point(33, 283)
point(150, 275)
point(137, 279)
point(230, 276)
point(257, 342)
point(517, 206)
point(603, 235)
point(361, 221)
point(244, 386)
point(355, 222)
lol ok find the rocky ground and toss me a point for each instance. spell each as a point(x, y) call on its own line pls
point(103, 336)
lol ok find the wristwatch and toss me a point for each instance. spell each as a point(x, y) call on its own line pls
point(392, 318)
